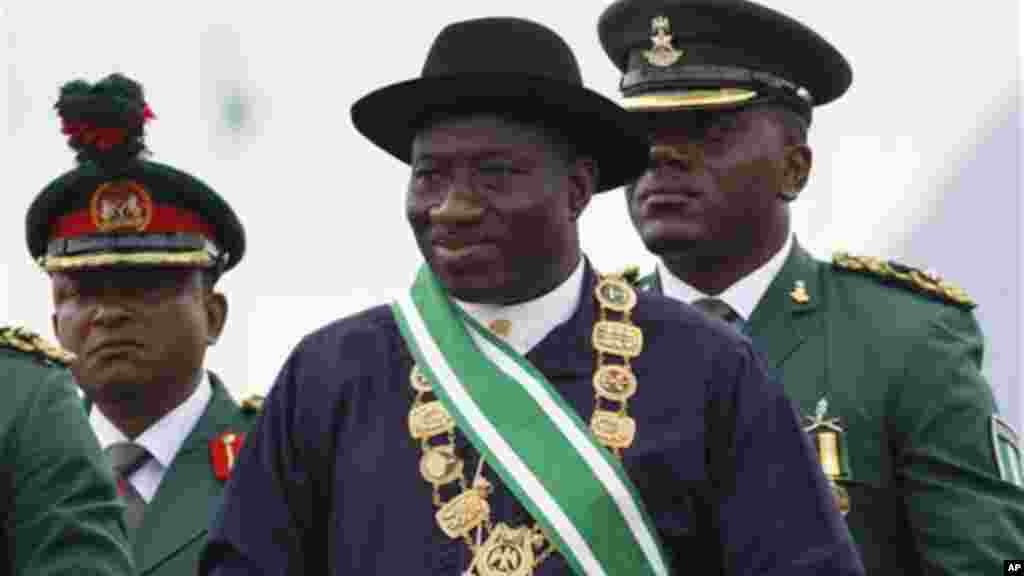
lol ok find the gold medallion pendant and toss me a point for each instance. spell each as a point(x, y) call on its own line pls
point(463, 513)
point(615, 382)
point(613, 429)
point(507, 552)
point(439, 465)
point(617, 338)
point(615, 294)
point(430, 419)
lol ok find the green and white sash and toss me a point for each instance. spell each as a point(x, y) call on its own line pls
point(543, 452)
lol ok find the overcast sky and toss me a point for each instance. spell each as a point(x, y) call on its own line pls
point(918, 161)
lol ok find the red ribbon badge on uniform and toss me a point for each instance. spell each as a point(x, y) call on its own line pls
point(224, 451)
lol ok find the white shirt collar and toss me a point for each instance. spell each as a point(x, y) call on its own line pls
point(164, 437)
point(743, 296)
point(533, 320)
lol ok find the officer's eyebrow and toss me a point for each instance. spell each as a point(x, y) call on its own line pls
point(486, 152)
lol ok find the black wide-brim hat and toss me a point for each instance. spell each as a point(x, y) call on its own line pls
point(516, 69)
point(681, 54)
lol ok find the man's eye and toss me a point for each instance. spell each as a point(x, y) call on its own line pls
point(720, 129)
point(499, 169)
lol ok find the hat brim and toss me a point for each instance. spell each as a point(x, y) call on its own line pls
point(689, 100)
point(596, 126)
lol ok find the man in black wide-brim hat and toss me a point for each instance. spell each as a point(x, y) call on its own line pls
point(516, 412)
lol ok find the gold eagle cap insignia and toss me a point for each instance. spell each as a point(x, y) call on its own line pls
point(662, 53)
point(924, 282)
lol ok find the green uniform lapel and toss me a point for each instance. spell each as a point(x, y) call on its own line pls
point(780, 324)
point(182, 509)
point(899, 369)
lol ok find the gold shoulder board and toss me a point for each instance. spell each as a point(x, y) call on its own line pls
point(29, 342)
point(920, 281)
point(253, 404)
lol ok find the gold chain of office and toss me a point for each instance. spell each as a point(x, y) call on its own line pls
point(501, 550)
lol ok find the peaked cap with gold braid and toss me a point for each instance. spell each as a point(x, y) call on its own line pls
point(116, 208)
point(691, 54)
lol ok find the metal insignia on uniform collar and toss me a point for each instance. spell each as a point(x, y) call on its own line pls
point(224, 450)
point(799, 293)
point(661, 53)
point(253, 403)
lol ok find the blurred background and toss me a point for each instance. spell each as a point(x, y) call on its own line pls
point(918, 162)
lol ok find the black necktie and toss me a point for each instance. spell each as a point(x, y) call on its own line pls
point(719, 309)
point(126, 458)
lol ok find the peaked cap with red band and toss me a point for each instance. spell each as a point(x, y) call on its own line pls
point(117, 208)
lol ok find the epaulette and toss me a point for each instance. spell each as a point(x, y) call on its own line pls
point(923, 282)
point(253, 404)
point(31, 343)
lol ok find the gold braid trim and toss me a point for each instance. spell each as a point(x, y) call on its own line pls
point(27, 341)
point(193, 258)
point(916, 280)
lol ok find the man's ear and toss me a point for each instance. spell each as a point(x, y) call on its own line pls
point(796, 170)
point(583, 177)
point(216, 305)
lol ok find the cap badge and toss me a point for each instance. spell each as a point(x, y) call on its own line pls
point(661, 53)
point(121, 205)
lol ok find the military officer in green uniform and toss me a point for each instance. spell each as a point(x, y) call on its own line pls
point(59, 513)
point(134, 249)
point(882, 359)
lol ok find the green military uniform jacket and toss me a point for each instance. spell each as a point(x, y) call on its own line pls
point(176, 520)
point(900, 369)
point(59, 510)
